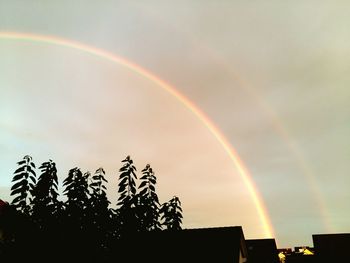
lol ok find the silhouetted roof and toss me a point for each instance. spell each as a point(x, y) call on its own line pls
point(222, 244)
point(262, 251)
point(333, 246)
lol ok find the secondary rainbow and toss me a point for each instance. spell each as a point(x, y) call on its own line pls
point(242, 170)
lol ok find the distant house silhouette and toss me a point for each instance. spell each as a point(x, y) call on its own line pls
point(301, 258)
point(332, 247)
point(305, 250)
point(223, 244)
point(262, 251)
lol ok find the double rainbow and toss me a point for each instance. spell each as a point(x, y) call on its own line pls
point(242, 170)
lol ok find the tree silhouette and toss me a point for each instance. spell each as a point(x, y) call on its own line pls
point(99, 212)
point(77, 218)
point(45, 192)
point(98, 199)
point(172, 214)
point(76, 190)
point(84, 221)
point(148, 198)
point(24, 180)
point(127, 211)
point(127, 185)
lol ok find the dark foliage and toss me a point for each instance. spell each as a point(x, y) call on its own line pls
point(148, 201)
point(172, 214)
point(45, 193)
point(82, 228)
point(76, 190)
point(24, 180)
point(127, 185)
point(98, 199)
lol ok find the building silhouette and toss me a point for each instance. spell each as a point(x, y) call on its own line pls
point(217, 245)
point(222, 244)
point(262, 251)
point(332, 247)
point(302, 254)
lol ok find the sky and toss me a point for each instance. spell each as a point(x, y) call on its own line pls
point(271, 75)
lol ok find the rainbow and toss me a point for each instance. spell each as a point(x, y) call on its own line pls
point(242, 170)
point(279, 126)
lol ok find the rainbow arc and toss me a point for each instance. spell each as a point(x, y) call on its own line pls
point(215, 131)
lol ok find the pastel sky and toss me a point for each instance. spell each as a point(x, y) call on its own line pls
point(272, 75)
